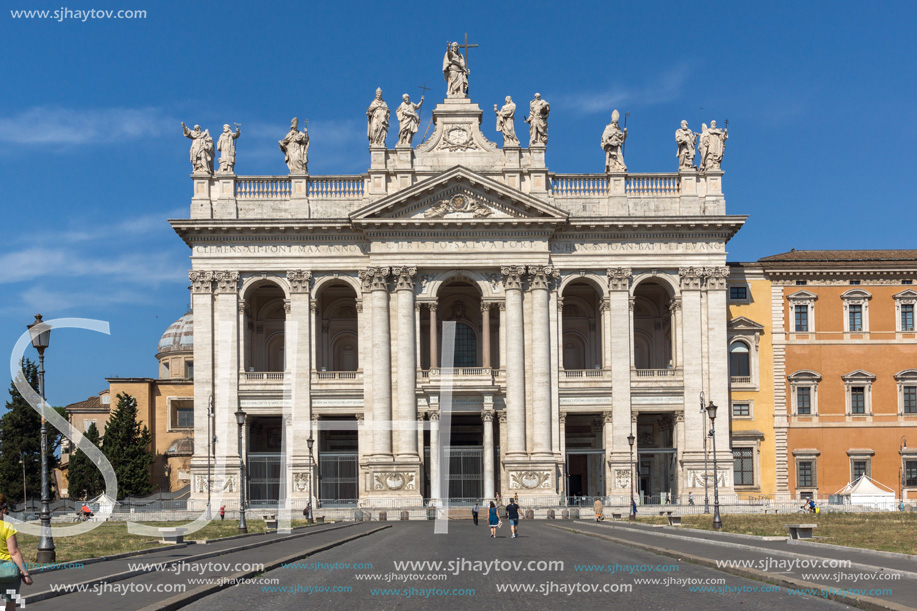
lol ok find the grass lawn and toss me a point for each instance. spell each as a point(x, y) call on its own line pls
point(887, 531)
point(113, 538)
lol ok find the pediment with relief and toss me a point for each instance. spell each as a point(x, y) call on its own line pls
point(459, 194)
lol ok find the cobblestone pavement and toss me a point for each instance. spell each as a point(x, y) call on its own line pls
point(364, 575)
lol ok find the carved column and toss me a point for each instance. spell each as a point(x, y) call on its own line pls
point(485, 334)
point(718, 361)
point(542, 278)
point(406, 439)
point(501, 418)
point(692, 282)
point(434, 330)
point(515, 361)
point(435, 491)
point(607, 444)
point(313, 340)
point(226, 356)
point(501, 336)
point(202, 306)
point(417, 334)
point(420, 448)
point(488, 418)
point(298, 355)
point(619, 336)
point(377, 279)
point(562, 428)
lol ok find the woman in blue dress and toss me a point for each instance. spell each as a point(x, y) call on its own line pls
point(493, 519)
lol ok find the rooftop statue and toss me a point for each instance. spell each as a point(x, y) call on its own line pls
point(506, 122)
point(713, 143)
point(455, 72)
point(227, 147)
point(613, 143)
point(377, 120)
point(686, 140)
point(408, 119)
point(201, 149)
point(295, 147)
point(539, 110)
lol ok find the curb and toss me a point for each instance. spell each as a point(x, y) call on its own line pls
point(46, 594)
point(862, 602)
point(179, 601)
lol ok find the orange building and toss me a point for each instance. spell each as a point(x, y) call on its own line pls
point(845, 368)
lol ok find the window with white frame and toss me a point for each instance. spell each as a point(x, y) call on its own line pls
point(744, 337)
point(907, 391)
point(738, 293)
point(905, 304)
point(858, 386)
point(181, 413)
point(856, 310)
point(804, 392)
point(802, 311)
point(743, 466)
point(860, 463)
point(909, 470)
point(89, 423)
point(743, 409)
point(806, 479)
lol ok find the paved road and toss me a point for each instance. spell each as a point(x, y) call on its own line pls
point(538, 542)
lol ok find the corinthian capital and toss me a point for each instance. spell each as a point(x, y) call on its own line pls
point(542, 276)
point(227, 282)
point(404, 278)
point(512, 276)
point(692, 278)
point(374, 278)
point(299, 280)
point(716, 278)
point(201, 282)
point(619, 278)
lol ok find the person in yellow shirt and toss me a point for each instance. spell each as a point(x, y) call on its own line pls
point(10, 555)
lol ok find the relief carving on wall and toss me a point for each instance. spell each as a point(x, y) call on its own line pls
point(458, 203)
point(395, 480)
point(529, 480)
point(622, 478)
point(220, 483)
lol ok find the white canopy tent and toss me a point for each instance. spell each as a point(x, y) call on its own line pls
point(867, 492)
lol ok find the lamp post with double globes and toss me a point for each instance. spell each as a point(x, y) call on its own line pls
point(630, 442)
point(41, 335)
point(717, 522)
point(243, 527)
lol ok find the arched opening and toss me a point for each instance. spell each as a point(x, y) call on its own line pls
point(459, 301)
point(336, 332)
point(653, 329)
point(264, 320)
point(739, 362)
point(581, 322)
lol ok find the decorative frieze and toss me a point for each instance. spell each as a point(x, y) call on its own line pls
point(619, 278)
point(512, 276)
point(227, 282)
point(541, 277)
point(300, 280)
point(201, 282)
point(404, 278)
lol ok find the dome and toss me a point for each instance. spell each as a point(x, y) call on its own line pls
point(179, 337)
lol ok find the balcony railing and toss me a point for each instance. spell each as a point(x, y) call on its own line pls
point(281, 187)
point(655, 373)
point(261, 376)
point(337, 375)
point(740, 379)
point(457, 372)
point(573, 374)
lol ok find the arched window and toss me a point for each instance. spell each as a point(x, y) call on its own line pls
point(466, 346)
point(738, 359)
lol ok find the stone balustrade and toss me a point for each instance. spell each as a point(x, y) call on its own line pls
point(655, 185)
point(263, 187)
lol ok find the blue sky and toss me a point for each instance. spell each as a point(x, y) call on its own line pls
point(819, 97)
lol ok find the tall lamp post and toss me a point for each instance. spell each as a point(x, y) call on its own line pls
point(25, 491)
point(209, 453)
point(630, 442)
point(41, 336)
point(717, 522)
point(310, 442)
point(703, 410)
point(243, 527)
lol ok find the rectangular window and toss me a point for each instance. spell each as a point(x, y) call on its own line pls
point(805, 474)
point(910, 473)
point(854, 282)
point(743, 466)
point(189, 370)
point(738, 293)
point(87, 424)
point(801, 282)
point(907, 317)
point(859, 469)
point(183, 414)
point(855, 317)
point(802, 318)
point(907, 282)
point(741, 409)
point(804, 401)
point(910, 399)
point(857, 399)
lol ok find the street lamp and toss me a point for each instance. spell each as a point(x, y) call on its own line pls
point(209, 446)
point(310, 442)
point(703, 410)
point(717, 522)
point(25, 491)
point(243, 527)
point(630, 442)
point(41, 336)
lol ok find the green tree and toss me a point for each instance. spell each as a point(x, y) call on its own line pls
point(126, 444)
point(83, 476)
point(20, 432)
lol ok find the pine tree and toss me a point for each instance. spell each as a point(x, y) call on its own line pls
point(126, 445)
point(20, 431)
point(84, 478)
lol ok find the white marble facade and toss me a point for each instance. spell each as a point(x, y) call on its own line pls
point(587, 307)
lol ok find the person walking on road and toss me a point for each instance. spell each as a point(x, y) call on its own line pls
point(12, 568)
point(493, 520)
point(597, 507)
point(474, 513)
point(512, 514)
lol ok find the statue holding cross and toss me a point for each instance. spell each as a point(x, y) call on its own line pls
point(455, 69)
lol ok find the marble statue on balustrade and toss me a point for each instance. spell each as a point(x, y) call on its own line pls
point(506, 122)
point(455, 72)
point(712, 150)
point(613, 144)
point(201, 149)
point(295, 147)
point(686, 140)
point(377, 120)
point(227, 147)
point(539, 110)
point(408, 119)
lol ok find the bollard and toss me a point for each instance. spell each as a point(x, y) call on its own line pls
point(574, 513)
point(383, 516)
point(565, 514)
point(529, 514)
point(405, 515)
point(358, 515)
point(431, 513)
point(367, 516)
point(550, 514)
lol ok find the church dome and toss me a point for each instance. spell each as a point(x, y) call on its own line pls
point(179, 337)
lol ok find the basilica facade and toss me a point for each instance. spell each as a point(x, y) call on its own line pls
point(459, 322)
